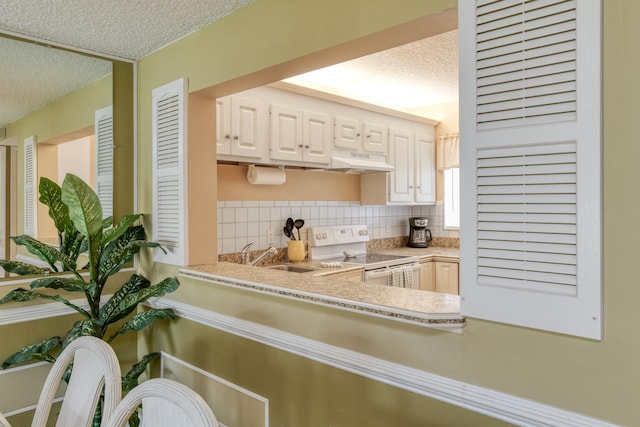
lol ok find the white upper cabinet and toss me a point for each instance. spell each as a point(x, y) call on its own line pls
point(347, 134)
point(241, 129)
point(316, 137)
point(299, 136)
point(375, 138)
point(401, 156)
point(413, 179)
point(424, 175)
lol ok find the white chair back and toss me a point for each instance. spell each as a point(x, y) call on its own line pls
point(94, 365)
point(164, 403)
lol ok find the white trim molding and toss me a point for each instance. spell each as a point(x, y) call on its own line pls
point(502, 406)
point(48, 310)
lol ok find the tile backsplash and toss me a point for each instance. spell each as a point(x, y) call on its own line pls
point(261, 222)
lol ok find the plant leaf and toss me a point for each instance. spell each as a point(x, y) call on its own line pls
point(85, 209)
point(131, 301)
point(51, 196)
point(119, 229)
point(130, 380)
point(112, 310)
point(107, 222)
point(119, 252)
point(26, 353)
point(22, 295)
point(82, 328)
point(71, 285)
point(22, 268)
point(143, 319)
point(146, 244)
point(43, 251)
point(19, 295)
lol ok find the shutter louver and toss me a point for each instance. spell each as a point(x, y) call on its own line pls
point(30, 173)
point(527, 218)
point(526, 62)
point(169, 171)
point(530, 164)
point(104, 158)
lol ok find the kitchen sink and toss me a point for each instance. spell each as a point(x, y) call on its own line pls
point(291, 268)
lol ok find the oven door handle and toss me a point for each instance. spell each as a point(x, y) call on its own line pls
point(388, 271)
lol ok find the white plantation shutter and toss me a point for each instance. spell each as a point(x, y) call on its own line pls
point(530, 172)
point(30, 190)
point(104, 158)
point(169, 171)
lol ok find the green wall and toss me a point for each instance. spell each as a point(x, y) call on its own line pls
point(597, 378)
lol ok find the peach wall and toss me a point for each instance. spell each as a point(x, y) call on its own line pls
point(300, 185)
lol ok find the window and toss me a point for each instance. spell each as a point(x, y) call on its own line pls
point(452, 198)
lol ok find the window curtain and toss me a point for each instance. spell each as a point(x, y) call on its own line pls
point(448, 151)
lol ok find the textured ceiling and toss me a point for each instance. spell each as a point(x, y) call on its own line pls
point(417, 75)
point(406, 78)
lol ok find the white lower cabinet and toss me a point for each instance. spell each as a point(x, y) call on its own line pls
point(439, 276)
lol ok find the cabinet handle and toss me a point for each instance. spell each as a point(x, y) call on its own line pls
point(418, 187)
point(235, 137)
point(306, 146)
point(299, 145)
point(411, 187)
point(227, 136)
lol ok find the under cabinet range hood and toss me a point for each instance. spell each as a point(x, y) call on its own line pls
point(354, 162)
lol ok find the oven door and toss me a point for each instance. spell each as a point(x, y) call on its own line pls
point(404, 276)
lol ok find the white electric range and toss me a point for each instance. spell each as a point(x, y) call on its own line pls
point(348, 244)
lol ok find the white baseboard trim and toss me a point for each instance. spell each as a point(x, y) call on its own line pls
point(47, 310)
point(512, 409)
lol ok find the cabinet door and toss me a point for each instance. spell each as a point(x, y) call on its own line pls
point(425, 174)
point(375, 138)
point(286, 133)
point(347, 134)
point(447, 277)
point(248, 129)
point(316, 137)
point(401, 157)
point(223, 125)
point(427, 276)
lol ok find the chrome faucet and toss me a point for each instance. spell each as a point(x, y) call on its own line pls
point(244, 253)
point(269, 251)
point(245, 256)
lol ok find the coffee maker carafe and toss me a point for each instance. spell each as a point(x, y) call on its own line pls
point(419, 235)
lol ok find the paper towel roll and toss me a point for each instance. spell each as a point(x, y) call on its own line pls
point(266, 176)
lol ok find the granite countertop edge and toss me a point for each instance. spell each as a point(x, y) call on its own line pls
point(408, 305)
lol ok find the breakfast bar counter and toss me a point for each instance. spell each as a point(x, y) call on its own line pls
point(317, 286)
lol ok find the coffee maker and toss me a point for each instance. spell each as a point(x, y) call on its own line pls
point(419, 235)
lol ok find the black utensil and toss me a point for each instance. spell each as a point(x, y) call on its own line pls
point(287, 233)
point(298, 223)
point(290, 228)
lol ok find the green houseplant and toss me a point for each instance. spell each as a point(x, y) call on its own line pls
point(77, 214)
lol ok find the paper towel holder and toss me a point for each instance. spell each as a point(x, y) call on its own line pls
point(253, 175)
